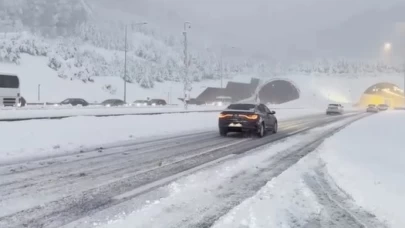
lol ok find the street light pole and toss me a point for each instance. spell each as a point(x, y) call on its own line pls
point(222, 68)
point(39, 92)
point(125, 57)
point(404, 86)
point(125, 64)
point(186, 81)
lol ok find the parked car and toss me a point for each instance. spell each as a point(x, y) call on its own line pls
point(383, 107)
point(245, 117)
point(334, 109)
point(193, 101)
point(157, 102)
point(141, 103)
point(372, 108)
point(74, 102)
point(113, 102)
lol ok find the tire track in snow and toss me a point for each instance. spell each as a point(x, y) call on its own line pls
point(339, 209)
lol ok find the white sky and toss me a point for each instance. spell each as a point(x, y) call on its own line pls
point(269, 26)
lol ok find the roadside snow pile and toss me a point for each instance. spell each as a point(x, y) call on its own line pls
point(61, 111)
point(367, 160)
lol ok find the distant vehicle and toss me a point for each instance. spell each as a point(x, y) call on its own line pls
point(157, 102)
point(193, 101)
point(75, 102)
point(222, 101)
point(382, 107)
point(9, 89)
point(334, 109)
point(244, 117)
point(372, 108)
point(113, 102)
point(141, 103)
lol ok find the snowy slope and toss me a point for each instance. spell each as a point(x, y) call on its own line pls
point(33, 71)
point(316, 89)
point(370, 167)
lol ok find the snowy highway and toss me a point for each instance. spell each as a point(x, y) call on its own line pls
point(85, 188)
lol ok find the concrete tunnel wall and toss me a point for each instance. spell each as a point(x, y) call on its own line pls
point(375, 94)
point(278, 91)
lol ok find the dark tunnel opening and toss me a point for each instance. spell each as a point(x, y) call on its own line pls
point(278, 92)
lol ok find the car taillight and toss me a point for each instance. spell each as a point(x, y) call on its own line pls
point(221, 116)
point(250, 117)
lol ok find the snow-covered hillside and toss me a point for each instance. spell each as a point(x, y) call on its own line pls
point(316, 89)
point(33, 71)
point(82, 41)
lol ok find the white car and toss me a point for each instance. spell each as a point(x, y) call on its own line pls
point(383, 107)
point(334, 109)
point(372, 108)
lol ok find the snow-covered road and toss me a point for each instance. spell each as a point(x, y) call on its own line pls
point(72, 189)
point(25, 140)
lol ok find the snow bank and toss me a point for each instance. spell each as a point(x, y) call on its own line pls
point(367, 160)
point(31, 112)
point(37, 138)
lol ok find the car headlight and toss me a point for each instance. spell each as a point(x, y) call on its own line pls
point(154, 104)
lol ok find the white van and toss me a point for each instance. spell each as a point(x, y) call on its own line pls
point(9, 89)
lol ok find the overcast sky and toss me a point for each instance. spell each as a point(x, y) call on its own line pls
point(269, 26)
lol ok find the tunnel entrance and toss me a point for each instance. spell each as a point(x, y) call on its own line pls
point(278, 91)
point(383, 93)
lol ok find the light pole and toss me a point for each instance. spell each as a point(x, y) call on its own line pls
point(387, 49)
point(404, 86)
point(39, 92)
point(221, 62)
point(125, 57)
point(187, 25)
